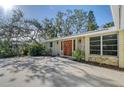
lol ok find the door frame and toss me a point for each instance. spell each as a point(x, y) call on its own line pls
point(71, 46)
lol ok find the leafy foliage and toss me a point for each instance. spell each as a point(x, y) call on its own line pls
point(78, 54)
point(37, 50)
point(91, 22)
point(16, 31)
point(80, 20)
point(107, 25)
point(6, 50)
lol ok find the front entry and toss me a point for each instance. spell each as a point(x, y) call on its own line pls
point(68, 47)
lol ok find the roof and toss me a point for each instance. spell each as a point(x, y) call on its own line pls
point(89, 33)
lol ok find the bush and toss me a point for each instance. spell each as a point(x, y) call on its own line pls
point(37, 50)
point(6, 53)
point(79, 55)
point(25, 51)
point(8, 50)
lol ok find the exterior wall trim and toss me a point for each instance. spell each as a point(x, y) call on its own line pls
point(89, 33)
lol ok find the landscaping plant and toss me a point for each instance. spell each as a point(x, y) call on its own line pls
point(78, 55)
point(38, 50)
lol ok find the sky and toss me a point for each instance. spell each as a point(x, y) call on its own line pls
point(102, 12)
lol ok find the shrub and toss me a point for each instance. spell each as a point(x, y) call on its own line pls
point(6, 50)
point(37, 50)
point(25, 51)
point(78, 54)
point(10, 50)
point(6, 53)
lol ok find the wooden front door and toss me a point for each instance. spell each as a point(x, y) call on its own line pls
point(68, 48)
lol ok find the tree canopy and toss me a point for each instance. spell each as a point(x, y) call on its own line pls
point(17, 32)
point(107, 25)
point(65, 23)
point(91, 22)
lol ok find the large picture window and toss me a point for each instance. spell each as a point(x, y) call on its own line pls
point(110, 45)
point(95, 45)
point(104, 45)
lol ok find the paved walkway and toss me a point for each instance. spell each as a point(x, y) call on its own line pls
point(55, 71)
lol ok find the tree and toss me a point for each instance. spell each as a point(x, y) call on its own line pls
point(18, 31)
point(79, 20)
point(68, 23)
point(59, 21)
point(49, 28)
point(107, 25)
point(11, 30)
point(34, 30)
point(91, 21)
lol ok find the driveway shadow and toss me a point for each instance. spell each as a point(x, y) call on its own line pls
point(52, 69)
point(1, 75)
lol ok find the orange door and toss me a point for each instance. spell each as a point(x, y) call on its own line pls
point(68, 47)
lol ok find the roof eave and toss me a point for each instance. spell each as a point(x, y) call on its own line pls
point(90, 33)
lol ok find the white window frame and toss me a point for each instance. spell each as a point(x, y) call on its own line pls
point(101, 45)
point(96, 45)
point(110, 45)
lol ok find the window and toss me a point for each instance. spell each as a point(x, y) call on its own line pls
point(104, 45)
point(110, 45)
point(95, 45)
point(51, 44)
point(61, 46)
point(73, 44)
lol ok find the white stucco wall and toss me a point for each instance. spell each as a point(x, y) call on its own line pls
point(55, 47)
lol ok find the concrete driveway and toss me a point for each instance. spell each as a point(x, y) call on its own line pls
point(55, 72)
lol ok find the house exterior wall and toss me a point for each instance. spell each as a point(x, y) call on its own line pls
point(85, 45)
point(61, 48)
point(121, 49)
point(104, 59)
point(46, 44)
point(86, 48)
point(80, 45)
point(111, 60)
point(55, 47)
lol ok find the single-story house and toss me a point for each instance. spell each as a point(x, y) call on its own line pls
point(104, 46)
